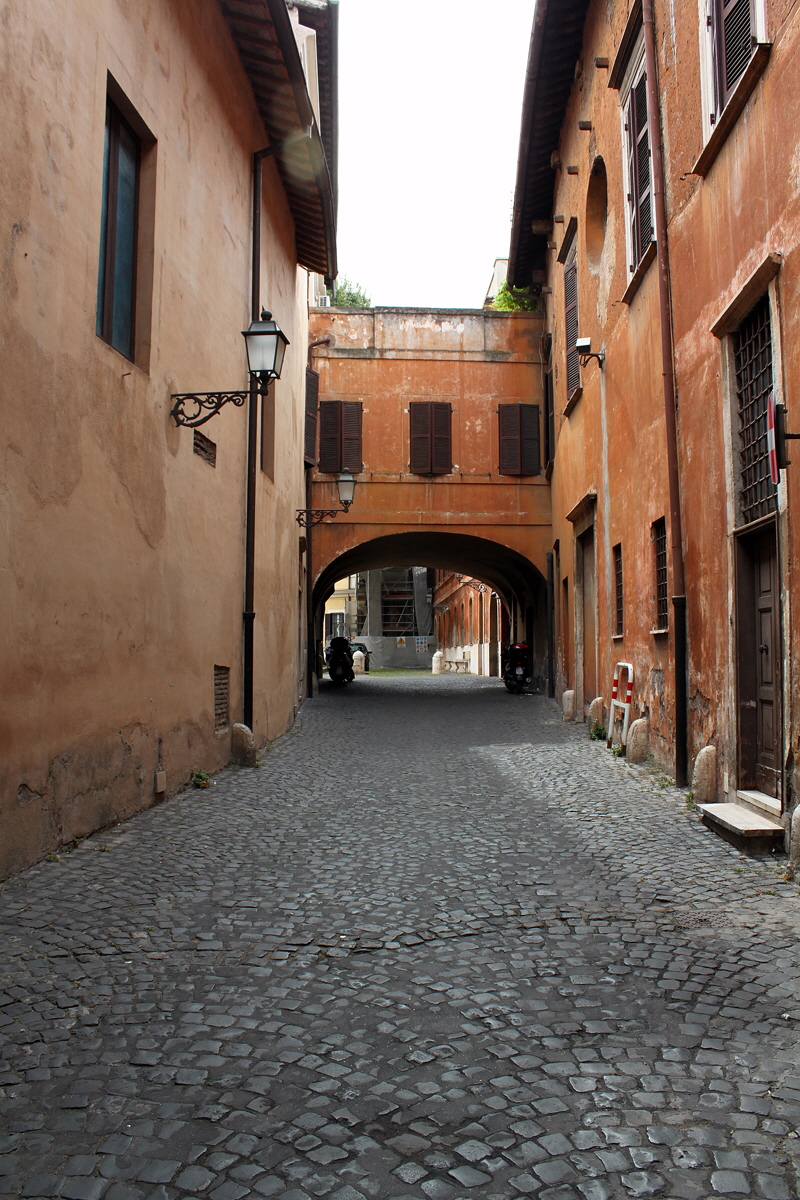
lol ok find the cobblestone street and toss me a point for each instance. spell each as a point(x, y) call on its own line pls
point(439, 945)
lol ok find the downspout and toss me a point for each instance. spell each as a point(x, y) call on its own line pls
point(249, 616)
point(311, 636)
point(668, 373)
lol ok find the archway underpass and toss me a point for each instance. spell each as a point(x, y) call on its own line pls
point(519, 585)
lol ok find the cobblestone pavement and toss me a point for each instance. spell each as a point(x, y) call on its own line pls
point(439, 946)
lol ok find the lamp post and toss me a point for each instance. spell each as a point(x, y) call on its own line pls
point(266, 345)
point(346, 486)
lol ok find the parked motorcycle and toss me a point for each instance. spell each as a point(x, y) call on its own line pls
point(517, 672)
point(339, 658)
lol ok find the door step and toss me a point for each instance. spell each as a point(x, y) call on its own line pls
point(760, 801)
point(740, 821)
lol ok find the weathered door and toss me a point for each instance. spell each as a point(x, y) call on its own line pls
point(759, 664)
point(589, 618)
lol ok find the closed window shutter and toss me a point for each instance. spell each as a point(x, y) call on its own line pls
point(549, 416)
point(330, 439)
point(529, 439)
point(351, 435)
point(312, 395)
point(510, 457)
point(571, 326)
point(442, 452)
point(734, 42)
point(420, 437)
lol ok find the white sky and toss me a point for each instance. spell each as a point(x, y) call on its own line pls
point(430, 96)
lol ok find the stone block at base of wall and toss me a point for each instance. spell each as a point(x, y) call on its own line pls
point(243, 746)
point(568, 705)
point(596, 713)
point(638, 741)
point(704, 776)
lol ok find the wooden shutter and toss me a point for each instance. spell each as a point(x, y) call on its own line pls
point(351, 435)
point(330, 437)
point(571, 326)
point(510, 458)
point(734, 37)
point(420, 438)
point(549, 419)
point(312, 395)
point(519, 439)
point(640, 198)
point(529, 439)
point(441, 451)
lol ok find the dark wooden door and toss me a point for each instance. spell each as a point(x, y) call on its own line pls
point(767, 662)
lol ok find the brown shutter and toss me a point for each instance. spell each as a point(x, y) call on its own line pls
point(442, 451)
point(571, 326)
point(312, 395)
point(642, 191)
point(420, 437)
point(734, 26)
point(549, 418)
point(351, 435)
point(509, 439)
point(330, 437)
point(529, 439)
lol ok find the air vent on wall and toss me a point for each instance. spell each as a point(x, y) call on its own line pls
point(205, 448)
point(222, 696)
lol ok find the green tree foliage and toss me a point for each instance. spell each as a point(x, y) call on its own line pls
point(510, 299)
point(346, 294)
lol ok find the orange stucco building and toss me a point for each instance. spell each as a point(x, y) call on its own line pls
point(657, 212)
point(478, 509)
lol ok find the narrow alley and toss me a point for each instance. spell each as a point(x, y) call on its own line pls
point(439, 945)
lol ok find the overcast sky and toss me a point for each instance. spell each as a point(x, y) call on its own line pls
point(429, 111)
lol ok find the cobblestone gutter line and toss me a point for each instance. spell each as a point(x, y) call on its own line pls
point(439, 946)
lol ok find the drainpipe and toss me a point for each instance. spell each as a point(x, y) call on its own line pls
point(249, 616)
point(668, 373)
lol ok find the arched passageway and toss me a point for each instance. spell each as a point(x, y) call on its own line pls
point(518, 583)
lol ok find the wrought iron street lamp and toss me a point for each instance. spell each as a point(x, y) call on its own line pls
point(266, 345)
point(346, 486)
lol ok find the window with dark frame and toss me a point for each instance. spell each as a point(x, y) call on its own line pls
point(752, 346)
point(430, 437)
point(733, 24)
point(340, 436)
point(659, 534)
point(571, 323)
point(637, 148)
point(116, 283)
point(519, 439)
point(618, 594)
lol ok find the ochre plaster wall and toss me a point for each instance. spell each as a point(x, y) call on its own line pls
point(121, 552)
point(385, 358)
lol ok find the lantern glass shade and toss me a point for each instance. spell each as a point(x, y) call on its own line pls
point(347, 486)
point(266, 345)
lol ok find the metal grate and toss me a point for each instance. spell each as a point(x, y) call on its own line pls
point(618, 589)
point(660, 551)
point(222, 697)
point(752, 343)
point(204, 446)
point(397, 602)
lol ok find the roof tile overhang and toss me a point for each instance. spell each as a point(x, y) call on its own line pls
point(262, 33)
point(555, 46)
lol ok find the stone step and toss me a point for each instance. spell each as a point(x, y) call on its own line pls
point(759, 801)
point(743, 822)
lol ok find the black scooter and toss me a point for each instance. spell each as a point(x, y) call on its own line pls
point(517, 667)
point(340, 662)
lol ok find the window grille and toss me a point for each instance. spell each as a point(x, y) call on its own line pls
point(752, 344)
point(618, 607)
point(662, 591)
point(222, 697)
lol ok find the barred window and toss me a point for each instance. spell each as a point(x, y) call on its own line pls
point(659, 534)
point(752, 344)
point(618, 605)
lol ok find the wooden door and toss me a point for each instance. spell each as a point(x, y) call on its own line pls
point(589, 618)
point(767, 665)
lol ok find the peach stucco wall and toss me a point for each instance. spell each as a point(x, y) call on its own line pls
point(121, 551)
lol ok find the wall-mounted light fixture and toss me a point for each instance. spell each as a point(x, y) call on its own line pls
point(266, 345)
point(585, 352)
point(346, 486)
